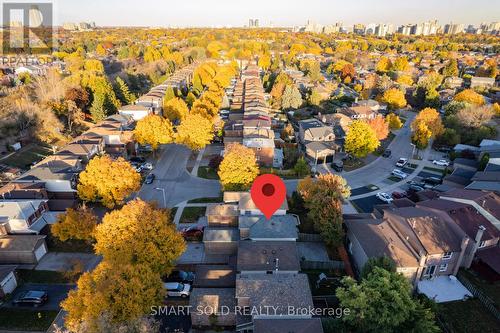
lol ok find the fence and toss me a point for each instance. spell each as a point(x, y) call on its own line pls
point(321, 265)
point(487, 301)
point(309, 238)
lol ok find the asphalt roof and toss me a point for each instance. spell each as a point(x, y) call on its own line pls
point(268, 256)
point(278, 227)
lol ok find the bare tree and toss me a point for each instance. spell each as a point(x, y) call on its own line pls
point(475, 117)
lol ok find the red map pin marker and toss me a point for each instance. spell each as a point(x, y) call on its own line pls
point(268, 193)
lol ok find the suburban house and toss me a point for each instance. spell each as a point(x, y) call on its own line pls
point(267, 257)
point(220, 300)
point(83, 148)
point(419, 241)
point(25, 216)
point(246, 206)
point(477, 81)
point(318, 139)
point(359, 112)
point(22, 249)
point(136, 111)
point(222, 215)
point(372, 104)
point(453, 82)
point(288, 325)
point(221, 240)
point(278, 228)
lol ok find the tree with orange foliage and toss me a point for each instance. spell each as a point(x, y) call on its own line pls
point(431, 118)
point(380, 126)
point(469, 96)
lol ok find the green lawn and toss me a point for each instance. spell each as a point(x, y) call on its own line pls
point(394, 179)
point(191, 214)
point(27, 156)
point(434, 169)
point(70, 245)
point(208, 200)
point(285, 174)
point(36, 276)
point(467, 317)
point(491, 290)
point(26, 319)
point(207, 173)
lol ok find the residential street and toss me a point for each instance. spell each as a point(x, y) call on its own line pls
point(178, 184)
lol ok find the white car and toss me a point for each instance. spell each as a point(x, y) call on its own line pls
point(399, 174)
point(384, 197)
point(441, 162)
point(147, 166)
point(401, 162)
point(177, 289)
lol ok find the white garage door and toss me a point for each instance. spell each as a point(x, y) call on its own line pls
point(40, 252)
point(9, 284)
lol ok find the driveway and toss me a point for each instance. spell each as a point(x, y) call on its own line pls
point(62, 261)
point(194, 254)
point(57, 293)
point(177, 184)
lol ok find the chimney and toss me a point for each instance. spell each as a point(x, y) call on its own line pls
point(460, 260)
point(477, 242)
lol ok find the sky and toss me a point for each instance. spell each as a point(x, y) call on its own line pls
point(281, 13)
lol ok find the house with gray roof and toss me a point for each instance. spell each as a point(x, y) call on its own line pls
point(25, 216)
point(268, 257)
point(22, 249)
point(309, 325)
point(278, 228)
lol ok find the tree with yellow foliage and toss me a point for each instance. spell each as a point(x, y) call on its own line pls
point(195, 131)
point(380, 126)
point(421, 135)
point(121, 292)
point(108, 181)
point(383, 65)
point(361, 139)
point(75, 224)
point(238, 169)
point(175, 109)
point(394, 98)
point(431, 118)
point(140, 234)
point(469, 96)
point(405, 80)
point(100, 50)
point(394, 121)
point(153, 130)
point(264, 61)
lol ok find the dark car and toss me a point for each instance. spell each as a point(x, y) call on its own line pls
point(180, 276)
point(137, 159)
point(416, 188)
point(150, 178)
point(433, 180)
point(387, 153)
point(31, 297)
point(338, 166)
point(194, 231)
point(399, 195)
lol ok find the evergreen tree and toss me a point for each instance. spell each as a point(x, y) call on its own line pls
point(123, 93)
point(97, 109)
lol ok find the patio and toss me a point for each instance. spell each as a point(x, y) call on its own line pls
point(443, 289)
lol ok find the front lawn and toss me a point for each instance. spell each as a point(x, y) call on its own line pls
point(207, 173)
point(26, 319)
point(285, 174)
point(218, 199)
point(192, 214)
point(45, 277)
point(70, 245)
point(467, 317)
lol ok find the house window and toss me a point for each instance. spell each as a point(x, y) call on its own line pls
point(443, 267)
point(482, 244)
point(447, 255)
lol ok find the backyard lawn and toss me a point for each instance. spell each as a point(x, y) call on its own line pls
point(192, 214)
point(467, 317)
point(26, 319)
point(207, 173)
point(45, 277)
point(27, 156)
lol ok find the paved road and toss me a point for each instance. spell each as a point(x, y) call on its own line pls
point(172, 176)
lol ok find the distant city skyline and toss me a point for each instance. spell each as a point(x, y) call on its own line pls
point(203, 13)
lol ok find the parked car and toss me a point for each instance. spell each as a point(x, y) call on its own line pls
point(137, 159)
point(147, 166)
point(399, 174)
point(195, 231)
point(399, 195)
point(433, 180)
point(401, 162)
point(441, 162)
point(416, 188)
point(384, 197)
point(387, 153)
point(176, 289)
point(150, 178)
point(338, 166)
point(31, 297)
point(180, 276)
